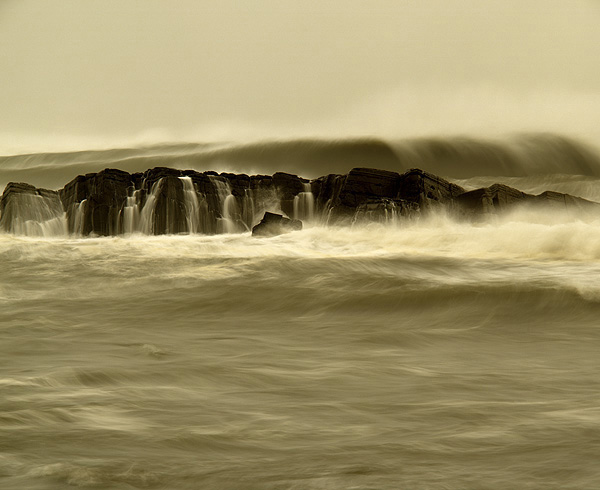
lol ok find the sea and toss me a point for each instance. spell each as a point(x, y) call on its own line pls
point(423, 354)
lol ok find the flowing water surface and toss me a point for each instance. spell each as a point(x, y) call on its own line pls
point(425, 355)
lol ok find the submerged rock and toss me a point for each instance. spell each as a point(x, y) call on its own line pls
point(275, 224)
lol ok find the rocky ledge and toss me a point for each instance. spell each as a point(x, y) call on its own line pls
point(168, 201)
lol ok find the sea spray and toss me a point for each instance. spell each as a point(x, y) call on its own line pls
point(364, 356)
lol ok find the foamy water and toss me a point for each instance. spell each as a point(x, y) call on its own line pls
point(428, 353)
point(435, 354)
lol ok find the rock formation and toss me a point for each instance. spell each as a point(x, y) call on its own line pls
point(164, 200)
point(95, 200)
point(275, 224)
point(26, 210)
point(343, 194)
point(499, 197)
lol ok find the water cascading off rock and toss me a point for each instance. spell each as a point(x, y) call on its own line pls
point(171, 201)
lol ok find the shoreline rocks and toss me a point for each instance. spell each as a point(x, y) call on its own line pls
point(164, 200)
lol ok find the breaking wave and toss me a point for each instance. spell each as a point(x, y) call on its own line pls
point(426, 353)
point(518, 156)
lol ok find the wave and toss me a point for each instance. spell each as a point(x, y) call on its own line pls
point(519, 156)
point(307, 157)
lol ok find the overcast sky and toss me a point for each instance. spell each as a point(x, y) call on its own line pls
point(92, 72)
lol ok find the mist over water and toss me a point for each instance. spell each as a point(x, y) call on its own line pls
point(425, 353)
point(522, 155)
point(429, 354)
point(423, 350)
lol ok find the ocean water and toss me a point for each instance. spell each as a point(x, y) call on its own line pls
point(430, 354)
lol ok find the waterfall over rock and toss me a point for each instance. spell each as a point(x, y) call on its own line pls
point(192, 205)
point(105, 194)
point(147, 214)
point(25, 210)
point(227, 206)
point(304, 204)
point(168, 201)
point(131, 214)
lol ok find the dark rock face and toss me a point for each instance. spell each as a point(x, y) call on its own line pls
point(238, 183)
point(170, 210)
point(164, 200)
point(490, 200)
point(427, 189)
point(275, 224)
point(367, 183)
point(385, 210)
point(153, 175)
point(104, 194)
point(499, 197)
point(208, 195)
point(342, 195)
point(327, 190)
point(288, 186)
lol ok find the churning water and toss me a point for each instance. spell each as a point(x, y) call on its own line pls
point(434, 355)
point(429, 354)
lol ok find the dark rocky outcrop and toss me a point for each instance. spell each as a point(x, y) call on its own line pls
point(169, 210)
point(342, 195)
point(164, 200)
point(327, 190)
point(367, 183)
point(490, 200)
point(275, 224)
point(153, 175)
point(426, 189)
point(288, 186)
point(169, 203)
point(498, 198)
point(104, 194)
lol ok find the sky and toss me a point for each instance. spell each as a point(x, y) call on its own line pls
point(98, 73)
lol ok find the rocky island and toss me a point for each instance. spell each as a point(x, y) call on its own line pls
point(171, 201)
